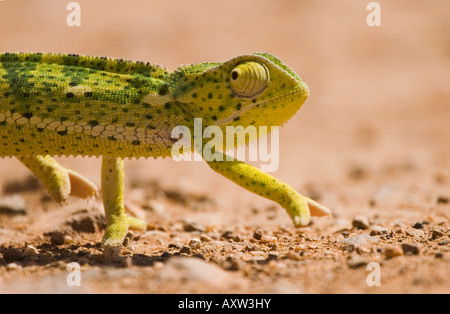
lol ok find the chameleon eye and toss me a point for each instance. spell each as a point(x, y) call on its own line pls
point(249, 79)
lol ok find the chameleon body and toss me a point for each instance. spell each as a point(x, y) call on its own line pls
point(73, 105)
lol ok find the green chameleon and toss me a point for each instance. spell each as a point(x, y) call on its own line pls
point(73, 105)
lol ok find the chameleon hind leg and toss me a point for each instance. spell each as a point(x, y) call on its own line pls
point(300, 208)
point(59, 181)
point(117, 222)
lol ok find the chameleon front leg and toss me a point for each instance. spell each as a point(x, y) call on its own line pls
point(300, 208)
point(59, 181)
point(117, 222)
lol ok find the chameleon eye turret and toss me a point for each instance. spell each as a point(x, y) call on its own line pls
point(248, 79)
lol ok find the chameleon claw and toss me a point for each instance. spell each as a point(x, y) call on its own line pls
point(80, 186)
point(317, 209)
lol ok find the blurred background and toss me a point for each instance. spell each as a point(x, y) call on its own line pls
point(372, 139)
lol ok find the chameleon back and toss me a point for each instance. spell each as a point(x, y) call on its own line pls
point(60, 104)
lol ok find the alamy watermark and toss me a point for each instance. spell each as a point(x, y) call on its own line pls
point(216, 150)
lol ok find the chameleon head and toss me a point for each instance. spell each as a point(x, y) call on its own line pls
point(256, 89)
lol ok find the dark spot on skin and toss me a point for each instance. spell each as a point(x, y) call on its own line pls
point(73, 84)
point(163, 90)
point(236, 119)
point(239, 106)
point(214, 118)
point(167, 105)
point(88, 94)
point(253, 100)
point(93, 123)
point(27, 115)
point(221, 108)
point(210, 95)
point(112, 138)
point(130, 124)
point(70, 95)
point(150, 127)
point(62, 132)
point(194, 95)
point(136, 142)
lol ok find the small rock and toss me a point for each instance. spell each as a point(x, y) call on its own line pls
point(228, 234)
point(445, 242)
point(415, 233)
point(175, 245)
point(185, 249)
point(193, 226)
point(86, 221)
point(30, 251)
point(378, 230)
point(393, 251)
point(409, 248)
point(443, 200)
point(232, 264)
point(418, 225)
point(257, 234)
point(354, 242)
point(57, 238)
point(361, 222)
point(195, 244)
point(13, 205)
point(205, 238)
point(12, 266)
point(268, 239)
point(435, 234)
point(13, 254)
point(356, 261)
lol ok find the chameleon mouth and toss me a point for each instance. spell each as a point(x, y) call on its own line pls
point(297, 91)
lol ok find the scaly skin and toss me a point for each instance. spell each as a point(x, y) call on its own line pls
point(63, 105)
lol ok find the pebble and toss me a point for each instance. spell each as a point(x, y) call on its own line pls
point(409, 248)
point(190, 226)
point(445, 242)
point(13, 205)
point(228, 235)
point(57, 239)
point(13, 254)
point(195, 244)
point(354, 242)
point(418, 225)
point(436, 234)
point(393, 251)
point(361, 222)
point(443, 200)
point(257, 234)
point(185, 249)
point(356, 261)
point(205, 238)
point(30, 251)
point(268, 239)
point(12, 266)
point(415, 233)
point(378, 230)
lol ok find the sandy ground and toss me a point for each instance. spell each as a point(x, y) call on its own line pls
point(371, 143)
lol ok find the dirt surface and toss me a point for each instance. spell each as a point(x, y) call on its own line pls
point(371, 143)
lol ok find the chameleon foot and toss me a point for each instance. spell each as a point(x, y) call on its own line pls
point(59, 181)
point(136, 224)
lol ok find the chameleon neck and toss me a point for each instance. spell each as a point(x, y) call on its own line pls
point(59, 104)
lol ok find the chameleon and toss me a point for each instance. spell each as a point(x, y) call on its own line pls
point(78, 105)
